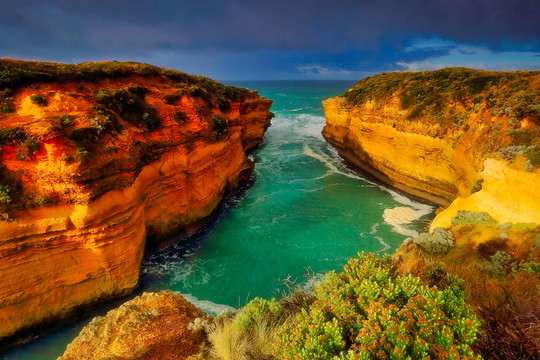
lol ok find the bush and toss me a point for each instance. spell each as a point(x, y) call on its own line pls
point(219, 124)
point(4, 194)
point(39, 100)
point(66, 120)
point(130, 105)
point(368, 311)
point(7, 108)
point(81, 152)
point(477, 186)
point(12, 136)
point(509, 307)
point(180, 117)
point(32, 145)
point(439, 242)
point(472, 218)
point(256, 311)
point(533, 154)
point(511, 152)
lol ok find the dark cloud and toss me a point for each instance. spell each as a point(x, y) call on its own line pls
point(373, 33)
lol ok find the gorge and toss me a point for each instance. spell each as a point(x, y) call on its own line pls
point(96, 159)
point(475, 153)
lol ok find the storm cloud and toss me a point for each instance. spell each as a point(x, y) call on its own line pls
point(341, 35)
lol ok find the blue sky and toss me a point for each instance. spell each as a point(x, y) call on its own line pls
point(277, 39)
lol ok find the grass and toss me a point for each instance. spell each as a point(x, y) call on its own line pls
point(229, 342)
point(427, 94)
point(15, 74)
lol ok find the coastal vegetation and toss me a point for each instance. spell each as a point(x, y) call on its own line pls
point(15, 74)
point(458, 304)
point(426, 94)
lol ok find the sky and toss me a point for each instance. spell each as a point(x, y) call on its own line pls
point(277, 39)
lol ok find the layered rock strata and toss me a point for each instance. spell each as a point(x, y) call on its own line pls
point(445, 134)
point(97, 158)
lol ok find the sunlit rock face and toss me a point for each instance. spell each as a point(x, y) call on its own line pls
point(443, 135)
point(97, 158)
point(151, 326)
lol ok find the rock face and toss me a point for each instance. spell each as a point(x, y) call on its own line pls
point(95, 159)
point(151, 326)
point(439, 134)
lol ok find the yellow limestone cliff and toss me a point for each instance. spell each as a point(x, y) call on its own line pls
point(440, 134)
point(96, 158)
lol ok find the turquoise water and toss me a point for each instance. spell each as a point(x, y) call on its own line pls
point(306, 213)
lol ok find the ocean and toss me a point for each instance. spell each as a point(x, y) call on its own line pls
point(306, 214)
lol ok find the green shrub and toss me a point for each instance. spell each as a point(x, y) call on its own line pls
point(439, 242)
point(4, 194)
point(477, 186)
point(472, 218)
point(223, 103)
point(369, 312)
point(180, 117)
point(417, 111)
point(521, 137)
point(256, 311)
point(7, 108)
point(66, 120)
point(219, 124)
point(12, 136)
point(130, 105)
point(42, 201)
point(512, 151)
point(533, 154)
point(81, 152)
point(39, 100)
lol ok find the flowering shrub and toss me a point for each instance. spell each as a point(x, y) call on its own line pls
point(368, 311)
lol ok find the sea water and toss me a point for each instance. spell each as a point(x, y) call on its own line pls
point(306, 214)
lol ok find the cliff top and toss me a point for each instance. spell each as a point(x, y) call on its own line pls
point(18, 73)
point(427, 93)
point(96, 125)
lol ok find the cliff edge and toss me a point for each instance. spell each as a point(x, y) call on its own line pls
point(96, 158)
point(444, 135)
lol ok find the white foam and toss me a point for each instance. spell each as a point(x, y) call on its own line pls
point(333, 168)
point(207, 306)
point(397, 217)
point(310, 125)
point(313, 282)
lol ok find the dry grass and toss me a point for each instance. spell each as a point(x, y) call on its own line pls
point(229, 342)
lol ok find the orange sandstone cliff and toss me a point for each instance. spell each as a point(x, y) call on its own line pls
point(455, 136)
point(151, 326)
point(96, 158)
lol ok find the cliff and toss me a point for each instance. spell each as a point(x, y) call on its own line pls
point(96, 158)
point(151, 326)
point(445, 134)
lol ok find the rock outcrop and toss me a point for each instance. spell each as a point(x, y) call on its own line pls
point(151, 326)
point(445, 134)
point(96, 158)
